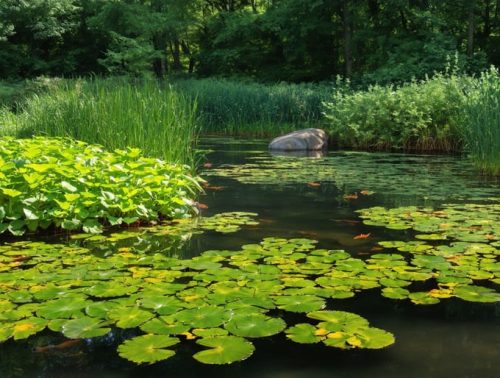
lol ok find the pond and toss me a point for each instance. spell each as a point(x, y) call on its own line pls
point(403, 271)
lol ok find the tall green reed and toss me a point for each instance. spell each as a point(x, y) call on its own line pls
point(252, 109)
point(481, 124)
point(116, 113)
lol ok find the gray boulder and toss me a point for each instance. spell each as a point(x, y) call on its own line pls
point(301, 140)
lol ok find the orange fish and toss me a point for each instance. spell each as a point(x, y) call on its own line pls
point(362, 236)
point(207, 165)
point(313, 184)
point(366, 192)
point(213, 187)
point(64, 345)
point(349, 197)
point(201, 205)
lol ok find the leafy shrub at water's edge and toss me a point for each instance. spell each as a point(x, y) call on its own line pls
point(419, 115)
point(73, 185)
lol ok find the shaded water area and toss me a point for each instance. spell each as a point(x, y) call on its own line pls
point(314, 198)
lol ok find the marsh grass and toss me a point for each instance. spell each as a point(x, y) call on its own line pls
point(482, 122)
point(232, 107)
point(114, 113)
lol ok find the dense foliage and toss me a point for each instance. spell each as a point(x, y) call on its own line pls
point(370, 40)
point(419, 115)
point(482, 122)
point(73, 185)
point(249, 108)
point(115, 113)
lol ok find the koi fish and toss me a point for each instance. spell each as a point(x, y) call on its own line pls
point(362, 236)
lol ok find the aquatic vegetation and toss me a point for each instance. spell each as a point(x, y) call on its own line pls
point(73, 185)
point(471, 252)
point(481, 129)
point(366, 174)
point(221, 299)
point(115, 113)
point(253, 109)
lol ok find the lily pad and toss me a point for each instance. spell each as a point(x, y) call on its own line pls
point(147, 348)
point(224, 350)
point(254, 325)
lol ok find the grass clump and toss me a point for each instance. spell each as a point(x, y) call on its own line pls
point(251, 109)
point(72, 185)
point(482, 122)
point(421, 115)
point(115, 113)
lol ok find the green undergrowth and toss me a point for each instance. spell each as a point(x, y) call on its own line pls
point(421, 115)
point(115, 113)
point(248, 108)
point(482, 123)
point(62, 183)
point(223, 299)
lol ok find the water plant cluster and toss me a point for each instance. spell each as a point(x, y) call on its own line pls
point(232, 107)
point(62, 183)
point(353, 172)
point(223, 299)
point(482, 122)
point(116, 113)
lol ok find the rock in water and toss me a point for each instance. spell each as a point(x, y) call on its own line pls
point(301, 140)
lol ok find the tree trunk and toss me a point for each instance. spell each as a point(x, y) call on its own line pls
point(346, 17)
point(487, 20)
point(470, 31)
point(176, 55)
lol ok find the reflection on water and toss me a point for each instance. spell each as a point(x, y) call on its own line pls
point(451, 339)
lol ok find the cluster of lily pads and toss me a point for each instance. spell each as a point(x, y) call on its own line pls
point(73, 185)
point(221, 299)
point(356, 171)
point(459, 243)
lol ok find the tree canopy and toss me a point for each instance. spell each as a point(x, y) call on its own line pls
point(270, 40)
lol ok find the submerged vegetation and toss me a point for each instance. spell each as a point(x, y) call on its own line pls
point(73, 185)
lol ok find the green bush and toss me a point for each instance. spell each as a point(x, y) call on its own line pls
point(73, 185)
point(481, 123)
point(421, 115)
point(115, 113)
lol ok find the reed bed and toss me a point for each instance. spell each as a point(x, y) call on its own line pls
point(116, 114)
point(482, 122)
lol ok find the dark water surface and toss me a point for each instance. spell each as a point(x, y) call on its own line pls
point(451, 339)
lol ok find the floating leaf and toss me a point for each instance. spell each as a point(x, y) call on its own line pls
point(147, 348)
point(84, 327)
point(224, 350)
point(254, 325)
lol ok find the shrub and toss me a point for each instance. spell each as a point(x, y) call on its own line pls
point(419, 115)
point(73, 185)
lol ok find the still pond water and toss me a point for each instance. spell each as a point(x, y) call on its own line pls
point(315, 198)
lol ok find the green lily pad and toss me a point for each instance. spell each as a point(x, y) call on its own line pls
point(476, 293)
point(84, 328)
point(254, 325)
point(203, 317)
point(147, 348)
point(23, 329)
point(224, 350)
point(304, 303)
point(129, 317)
point(303, 333)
